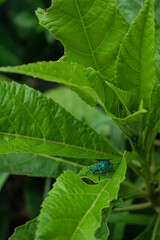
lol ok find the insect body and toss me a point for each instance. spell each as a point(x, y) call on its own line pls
point(101, 167)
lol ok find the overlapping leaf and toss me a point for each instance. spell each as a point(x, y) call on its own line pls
point(90, 86)
point(76, 106)
point(40, 165)
point(31, 123)
point(77, 205)
point(134, 124)
point(87, 82)
point(103, 232)
point(73, 75)
point(135, 65)
point(157, 9)
point(91, 31)
point(129, 9)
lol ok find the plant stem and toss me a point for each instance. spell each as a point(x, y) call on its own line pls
point(135, 207)
point(155, 227)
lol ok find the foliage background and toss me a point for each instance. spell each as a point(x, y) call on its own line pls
point(23, 40)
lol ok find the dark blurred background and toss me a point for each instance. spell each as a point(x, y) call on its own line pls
point(23, 40)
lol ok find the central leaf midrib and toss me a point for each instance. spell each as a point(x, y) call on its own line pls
point(62, 160)
point(140, 62)
point(89, 210)
point(87, 37)
point(58, 143)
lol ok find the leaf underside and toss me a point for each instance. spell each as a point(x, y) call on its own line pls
point(86, 82)
point(41, 165)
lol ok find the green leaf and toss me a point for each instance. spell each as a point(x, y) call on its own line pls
point(103, 232)
point(91, 87)
point(4, 78)
point(91, 115)
point(71, 74)
point(91, 32)
point(106, 127)
point(77, 205)
point(129, 9)
point(40, 165)
point(135, 65)
point(3, 178)
point(73, 104)
point(157, 10)
point(26, 231)
point(31, 123)
point(88, 83)
point(134, 124)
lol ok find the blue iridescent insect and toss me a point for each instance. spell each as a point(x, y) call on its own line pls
point(101, 167)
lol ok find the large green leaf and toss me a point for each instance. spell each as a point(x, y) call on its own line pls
point(91, 31)
point(31, 123)
point(73, 75)
point(78, 205)
point(87, 82)
point(40, 165)
point(135, 65)
point(26, 231)
point(93, 116)
point(91, 87)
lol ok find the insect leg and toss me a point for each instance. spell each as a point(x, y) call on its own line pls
point(99, 176)
point(86, 173)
